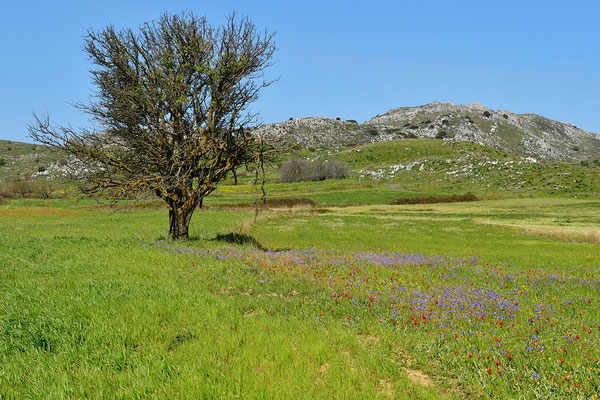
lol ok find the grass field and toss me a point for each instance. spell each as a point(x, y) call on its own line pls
point(366, 301)
point(350, 297)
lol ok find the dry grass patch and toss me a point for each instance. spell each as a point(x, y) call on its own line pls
point(571, 234)
point(574, 235)
point(417, 376)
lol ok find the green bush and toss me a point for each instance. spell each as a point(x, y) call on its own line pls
point(28, 189)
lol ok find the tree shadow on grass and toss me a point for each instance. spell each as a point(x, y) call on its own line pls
point(239, 238)
point(232, 238)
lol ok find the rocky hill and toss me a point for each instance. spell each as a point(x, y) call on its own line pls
point(525, 135)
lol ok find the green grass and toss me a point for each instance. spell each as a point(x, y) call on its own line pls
point(488, 229)
point(407, 150)
point(87, 311)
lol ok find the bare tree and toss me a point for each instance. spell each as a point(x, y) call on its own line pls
point(171, 107)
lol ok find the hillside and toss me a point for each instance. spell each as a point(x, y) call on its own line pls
point(433, 165)
point(379, 172)
point(23, 161)
point(525, 135)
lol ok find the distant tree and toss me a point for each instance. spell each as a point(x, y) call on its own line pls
point(171, 107)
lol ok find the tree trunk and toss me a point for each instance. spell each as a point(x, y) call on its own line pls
point(179, 222)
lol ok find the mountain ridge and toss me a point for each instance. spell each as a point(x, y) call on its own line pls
point(525, 135)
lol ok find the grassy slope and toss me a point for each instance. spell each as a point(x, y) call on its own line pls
point(24, 159)
point(448, 168)
point(439, 167)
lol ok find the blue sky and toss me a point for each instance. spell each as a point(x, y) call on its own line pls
point(336, 59)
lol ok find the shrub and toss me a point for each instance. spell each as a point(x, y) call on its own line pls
point(296, 171)
point(330, 169)
point(302, 170)
point(487, 114)
point(28, 189)
point(2, 162)
point(278, 202)
point(436, 199)
point(441, 135)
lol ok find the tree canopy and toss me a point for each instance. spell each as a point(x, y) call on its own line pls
point(171, 107)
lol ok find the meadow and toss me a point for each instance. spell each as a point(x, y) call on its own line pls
point(486, 299)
